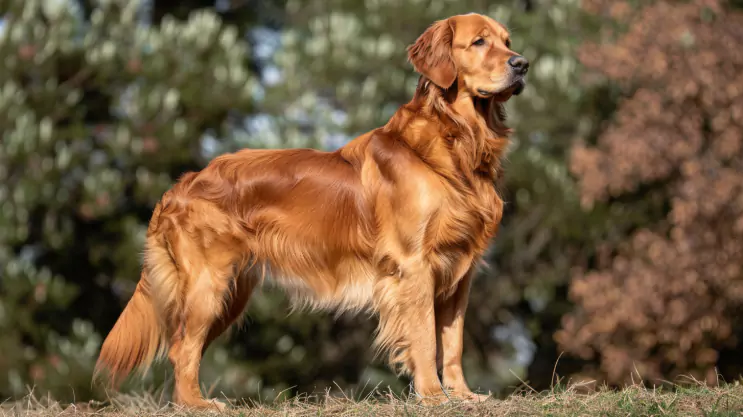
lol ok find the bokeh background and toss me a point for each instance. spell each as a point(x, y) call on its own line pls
point(621, 248)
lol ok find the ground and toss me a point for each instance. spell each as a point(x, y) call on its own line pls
point(691, 400)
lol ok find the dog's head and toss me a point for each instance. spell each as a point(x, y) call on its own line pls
point(474, 49)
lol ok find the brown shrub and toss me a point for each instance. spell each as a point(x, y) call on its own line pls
point(668, 302)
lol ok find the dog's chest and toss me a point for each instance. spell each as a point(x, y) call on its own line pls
point(460, 231)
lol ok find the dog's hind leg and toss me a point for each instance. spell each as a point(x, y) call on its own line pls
point(236, 298)
point(203, 307)
point(205, 253)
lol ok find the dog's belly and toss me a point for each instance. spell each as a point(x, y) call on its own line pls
point(348, 287)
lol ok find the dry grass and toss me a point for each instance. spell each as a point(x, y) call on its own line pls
point(692, 400)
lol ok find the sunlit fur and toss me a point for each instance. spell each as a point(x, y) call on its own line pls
point(392, 223)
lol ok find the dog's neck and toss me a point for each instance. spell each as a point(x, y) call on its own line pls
point(473, 126)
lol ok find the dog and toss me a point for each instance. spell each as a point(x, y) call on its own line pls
point(394, 222)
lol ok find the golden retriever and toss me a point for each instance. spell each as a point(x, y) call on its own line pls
point(393, 222)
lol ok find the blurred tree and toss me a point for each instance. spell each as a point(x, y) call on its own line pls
point(99, 113)
point(668, 300)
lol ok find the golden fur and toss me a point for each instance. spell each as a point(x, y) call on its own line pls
point(394, 222)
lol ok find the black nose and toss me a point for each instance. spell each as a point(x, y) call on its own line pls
point(519, 64)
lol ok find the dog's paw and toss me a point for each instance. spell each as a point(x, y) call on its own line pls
point(213, 405)
point(432, 398)
point(217, 405)
point(477, 398)
point(469, 396)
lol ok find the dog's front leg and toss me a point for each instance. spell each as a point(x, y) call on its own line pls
point(450, 334)
point(422, 334)
point(408, 326)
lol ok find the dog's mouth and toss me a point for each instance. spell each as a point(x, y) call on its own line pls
point(514, 89)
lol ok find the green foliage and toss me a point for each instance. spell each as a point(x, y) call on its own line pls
point(101, 112)
point(99, 115)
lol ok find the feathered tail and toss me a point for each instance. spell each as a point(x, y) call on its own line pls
point(136, 339)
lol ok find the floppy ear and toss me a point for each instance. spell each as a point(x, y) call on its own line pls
point(431, 54)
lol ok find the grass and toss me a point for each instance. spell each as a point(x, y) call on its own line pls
point(691, 400)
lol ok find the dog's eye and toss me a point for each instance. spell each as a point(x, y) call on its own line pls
point(479, 42)
point(508, 43)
